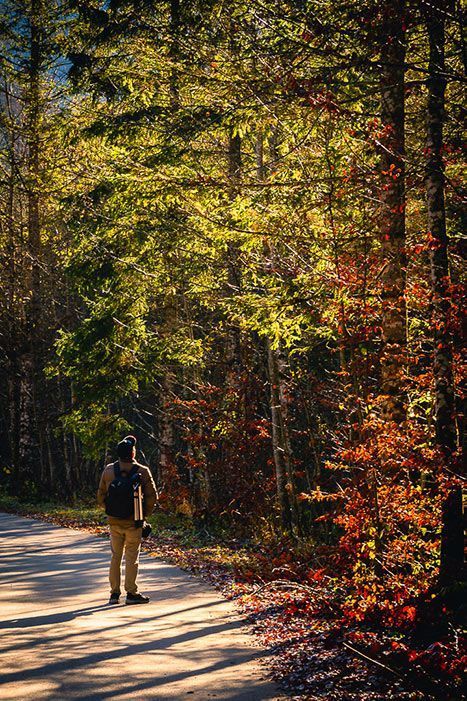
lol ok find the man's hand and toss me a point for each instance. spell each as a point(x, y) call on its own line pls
point(146, 530)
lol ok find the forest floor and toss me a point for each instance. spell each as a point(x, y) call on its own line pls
point(310, 655)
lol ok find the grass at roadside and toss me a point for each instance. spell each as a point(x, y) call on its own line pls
point(174, 538)
point(84, 514)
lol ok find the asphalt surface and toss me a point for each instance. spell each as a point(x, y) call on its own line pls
point(60, 640)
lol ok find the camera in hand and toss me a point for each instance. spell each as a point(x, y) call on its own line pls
point(146, 530)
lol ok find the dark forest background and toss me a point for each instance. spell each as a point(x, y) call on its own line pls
point(235, 230)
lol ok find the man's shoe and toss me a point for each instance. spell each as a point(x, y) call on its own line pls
point(136, 599)
point(114, 598)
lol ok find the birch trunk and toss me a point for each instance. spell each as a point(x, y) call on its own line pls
point(278, 440)
point(281, 445)
point(166, 433)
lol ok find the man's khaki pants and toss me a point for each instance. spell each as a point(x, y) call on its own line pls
point(128, 538)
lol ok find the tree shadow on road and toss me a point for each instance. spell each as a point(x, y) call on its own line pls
point(177, 652)
point(51, 618)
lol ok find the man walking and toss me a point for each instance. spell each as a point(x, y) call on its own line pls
point(128, 494)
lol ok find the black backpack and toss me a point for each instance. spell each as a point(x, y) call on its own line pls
point(120, 494)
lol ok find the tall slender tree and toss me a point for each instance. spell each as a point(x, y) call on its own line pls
point(391, 145)
point(452, 536)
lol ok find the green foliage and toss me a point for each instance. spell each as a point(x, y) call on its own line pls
point(212, 273)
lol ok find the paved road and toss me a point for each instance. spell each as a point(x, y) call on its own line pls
point(60, 640)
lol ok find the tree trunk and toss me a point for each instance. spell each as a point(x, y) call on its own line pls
point(452, 537)
point(29, 449)
point(70, 485)
point(14, 395)
point(166, 433)
point(280, 452)
point(442, 359)
point(233, 275)
point(392, 230)
point(33, 189)
point(13, 317)
point(174, 50)
point(285, 482)
point(199, 479)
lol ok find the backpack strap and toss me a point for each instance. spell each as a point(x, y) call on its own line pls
point(118, 472)
point(134, 474)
